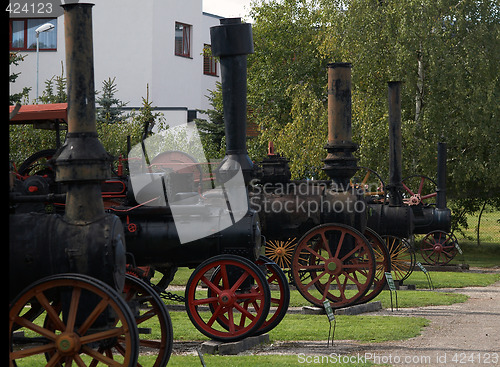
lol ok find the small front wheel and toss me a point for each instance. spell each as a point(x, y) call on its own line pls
point(236, 302)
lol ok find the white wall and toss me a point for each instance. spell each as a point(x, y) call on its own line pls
point(123, 47)
point(136, 46)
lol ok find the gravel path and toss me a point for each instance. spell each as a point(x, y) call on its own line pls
point(463, 334)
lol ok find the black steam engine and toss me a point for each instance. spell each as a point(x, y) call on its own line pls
point(328, 233)
point(95, 237)
point(67, 271)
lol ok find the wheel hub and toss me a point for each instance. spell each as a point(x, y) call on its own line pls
point(415, 200)
point(226, 298)
point(68, 343)
point(333, 266)
point(438, 248)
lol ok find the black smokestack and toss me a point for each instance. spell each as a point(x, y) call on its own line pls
point(82, 162)
point(394, 188)
point(232, 41)
point(441, 176)
point(340, 164)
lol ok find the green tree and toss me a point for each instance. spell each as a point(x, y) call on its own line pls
point(60, 95)
point(110, 108)
point(147, 118)
point(14, 59)
point(286, 37)
point(446, 52)
point(212, 131)
point(287, 73)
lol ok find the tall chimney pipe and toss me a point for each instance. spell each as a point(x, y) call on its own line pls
point(340, 164)
point(82, 162)
point(441, 176)
point(395, 177)
point(232, 41)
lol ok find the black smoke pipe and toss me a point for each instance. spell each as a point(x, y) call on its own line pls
point(340, 164)
point(86, 240)
point(395, 186)
point(82, 163)
point(441, 176)
point(232, 41)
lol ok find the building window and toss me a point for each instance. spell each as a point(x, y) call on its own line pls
point(23, 35)
point(183, 39)
point(209, 62)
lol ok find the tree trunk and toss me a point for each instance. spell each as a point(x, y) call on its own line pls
point(479, 221)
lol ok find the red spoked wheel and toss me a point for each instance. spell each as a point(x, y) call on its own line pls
point(438, 247)
point(419, 190)
point(149, 311)
point(280, 298)
point(81, 320)
point(238, 298)
point(334, 262)
point(383, 264)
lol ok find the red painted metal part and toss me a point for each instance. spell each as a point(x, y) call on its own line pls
point(30, 114)
point(238, 298)
point(438, 247)
point(334, 262)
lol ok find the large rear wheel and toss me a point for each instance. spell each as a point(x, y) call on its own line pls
point(334, 262)
point(80, 321)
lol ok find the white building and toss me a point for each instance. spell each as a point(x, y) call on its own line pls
point(155, 43)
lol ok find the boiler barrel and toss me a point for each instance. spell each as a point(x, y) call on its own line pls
point(153, 240)
point(43, 245)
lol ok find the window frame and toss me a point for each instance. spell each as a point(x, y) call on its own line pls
point(212, 69)
point(25, 36)
point(185, 38)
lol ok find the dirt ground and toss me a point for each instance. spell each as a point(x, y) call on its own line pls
point(463, 334)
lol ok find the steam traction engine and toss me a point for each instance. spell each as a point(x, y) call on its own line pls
point(393, 216)
point(163, 205)
point(333, 260)
point(168, 202)
point(67, 271)
point(406, 210)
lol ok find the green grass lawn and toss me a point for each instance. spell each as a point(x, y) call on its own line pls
point(489, 230)
point(235, 361)
point(258, 360)
point(316, 327)
point(445, 279)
